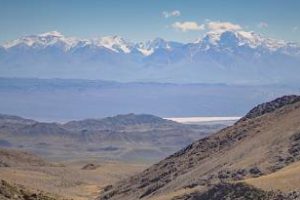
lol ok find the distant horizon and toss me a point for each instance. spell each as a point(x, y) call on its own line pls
point(145, 82)
point(63, 100)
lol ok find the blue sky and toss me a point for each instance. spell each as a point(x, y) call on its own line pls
point(140, 20)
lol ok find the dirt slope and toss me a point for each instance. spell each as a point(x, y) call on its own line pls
point(286, 179)
point(16, 158)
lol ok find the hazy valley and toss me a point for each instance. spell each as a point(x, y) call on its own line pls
point(123, 137)
point(77, 158)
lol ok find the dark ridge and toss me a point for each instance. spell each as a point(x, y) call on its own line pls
point(15, 119)
point(271, 106)
point(45, 129)
point(117, 121)
point(131, 119)
point(239, 191)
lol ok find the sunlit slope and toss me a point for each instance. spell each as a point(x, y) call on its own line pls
point(286, 179)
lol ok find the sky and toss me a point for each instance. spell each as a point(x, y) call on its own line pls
point(141, 20)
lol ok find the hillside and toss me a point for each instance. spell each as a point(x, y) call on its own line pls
point(258, 145)
point(238, 191)
point(15, 192)
point(17, 166)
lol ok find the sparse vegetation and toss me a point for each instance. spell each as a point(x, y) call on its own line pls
point(14, 192)
point(237, 191)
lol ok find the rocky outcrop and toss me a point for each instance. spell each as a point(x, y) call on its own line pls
point(90, 166)
point(15, 192)
point(268, 107)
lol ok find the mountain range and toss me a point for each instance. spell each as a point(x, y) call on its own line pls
point(217, 57)
point(121, 137)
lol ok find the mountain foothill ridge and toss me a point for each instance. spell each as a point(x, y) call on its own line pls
point(260, 145)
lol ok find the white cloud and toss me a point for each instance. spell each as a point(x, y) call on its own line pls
point(262, 25)
point(174, 13)
point(188, 26)
point(222, 26)
point(215, 26)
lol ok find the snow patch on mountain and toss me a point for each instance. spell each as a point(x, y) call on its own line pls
point(149, 47)
point(44, 40)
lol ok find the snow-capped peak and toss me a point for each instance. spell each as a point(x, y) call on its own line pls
point(52, 34)
point(147, 48)
point(55, 38)
point(44, 40)
point(114, 43)
point(240, 37)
